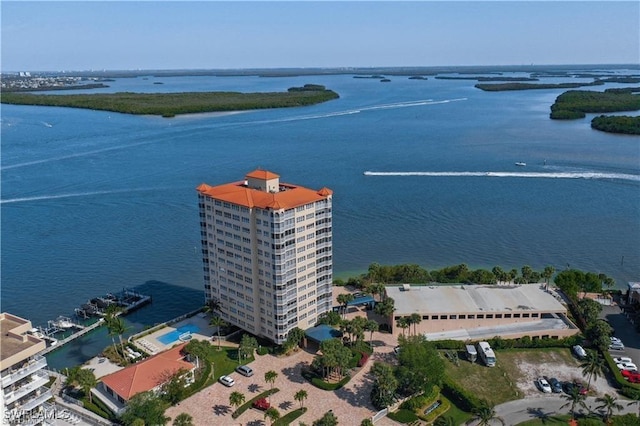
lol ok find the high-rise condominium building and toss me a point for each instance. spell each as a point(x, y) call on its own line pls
point(24, 393)
point(267, 253)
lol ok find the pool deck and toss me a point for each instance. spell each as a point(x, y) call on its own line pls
point(152, 345)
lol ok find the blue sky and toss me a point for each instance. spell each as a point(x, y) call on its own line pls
point(117, 35)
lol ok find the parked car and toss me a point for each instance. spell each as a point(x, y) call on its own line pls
point(629, 366)
point(579, 351)
point(628, 374)
point(568, 387)
point(245, 370)
point(556, 386)
point(620, 359)
point(262, 404)
point(543, 385)
point(227, 381)
point(396, 350)
point(634, 377)
point(615, 340)
point(616, 346)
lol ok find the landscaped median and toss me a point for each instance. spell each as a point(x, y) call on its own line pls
point(290, 417)
point(244, 407)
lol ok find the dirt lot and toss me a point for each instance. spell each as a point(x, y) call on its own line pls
point(552, 363)
point(516, 371)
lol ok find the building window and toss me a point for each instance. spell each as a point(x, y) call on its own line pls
point(498, 316)
point(489, 316)
point(480, 316)
point(507, 315)
point(452, 317)
point(434, 317)
point(462, 316)
point(525, 315)
point(471, 316)
point(516, 315)
point(443, 317)
point(425, 317)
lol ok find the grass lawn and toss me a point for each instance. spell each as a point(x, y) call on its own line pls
point(498, 384)
point(225, 361)
point(460, 417)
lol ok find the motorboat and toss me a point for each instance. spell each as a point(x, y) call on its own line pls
point(521, 164)
point(63, 322)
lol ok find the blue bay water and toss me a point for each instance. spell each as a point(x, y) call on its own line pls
point(96, 201)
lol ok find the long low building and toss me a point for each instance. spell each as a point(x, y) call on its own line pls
point(471, 312)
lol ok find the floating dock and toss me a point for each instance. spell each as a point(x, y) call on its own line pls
point(127, 301)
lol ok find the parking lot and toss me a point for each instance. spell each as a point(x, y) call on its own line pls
point(625, 331)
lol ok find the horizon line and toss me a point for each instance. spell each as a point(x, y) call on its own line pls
point(341, 68)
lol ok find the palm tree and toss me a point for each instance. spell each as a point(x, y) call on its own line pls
point(214, 305)
point(270, 377)
point(217, 322)
point(344, 300)
point(415, 319)
point(592, 366)
point(371, 326)
point(574, 398)
point(609, 403)
point(272, 414)
point(548, 273)
point(86, 380)
point(485, 414)
point(402, 322)
point(116, 327)
point(183, 419)
point(300, 396)
point(236, 399)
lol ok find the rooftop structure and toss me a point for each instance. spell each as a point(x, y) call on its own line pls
point(146, 375)
point(22, 370)
point(466, 311)
point(267, 253)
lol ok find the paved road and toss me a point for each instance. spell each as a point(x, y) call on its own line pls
point(625, 331)
point(521, 410)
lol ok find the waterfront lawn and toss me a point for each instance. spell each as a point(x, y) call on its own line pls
point(498, 384)
point(225, 361)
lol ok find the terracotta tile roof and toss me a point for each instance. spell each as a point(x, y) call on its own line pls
point(147, 374)
point(262, 174)
point(237, 193)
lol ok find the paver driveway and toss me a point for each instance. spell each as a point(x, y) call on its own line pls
point(350, 404)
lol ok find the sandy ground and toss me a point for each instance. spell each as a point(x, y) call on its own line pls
point(561, 370)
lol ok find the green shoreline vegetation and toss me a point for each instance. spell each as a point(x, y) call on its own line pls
point(532, 86)
point(576, 103)
point(172, 104)
point(623, 124)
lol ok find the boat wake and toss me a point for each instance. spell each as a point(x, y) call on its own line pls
point(407, 104)
point(75, 194)
point(536, 175)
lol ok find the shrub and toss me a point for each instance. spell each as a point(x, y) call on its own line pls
point(403, 416)
point(460, 397)
point(290, 417)
point(262, 350)
point(363, 360)
point(244, 407)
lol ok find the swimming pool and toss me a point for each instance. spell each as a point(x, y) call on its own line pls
point(172, 336)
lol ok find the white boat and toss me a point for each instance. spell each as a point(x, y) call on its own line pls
point(521, 164)
point(63, 322)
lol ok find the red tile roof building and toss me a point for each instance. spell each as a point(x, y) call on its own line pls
point(146, 375)
point(267, 252)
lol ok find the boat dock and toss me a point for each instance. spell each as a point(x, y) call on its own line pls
point(73, 336)
point(126, 301)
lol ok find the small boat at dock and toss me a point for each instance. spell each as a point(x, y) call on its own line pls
point(521, 163)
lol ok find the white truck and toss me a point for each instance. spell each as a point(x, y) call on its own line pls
point(486, 353)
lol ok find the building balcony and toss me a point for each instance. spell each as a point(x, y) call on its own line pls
point(37, 363)
point(38, 379)
point(38, 400)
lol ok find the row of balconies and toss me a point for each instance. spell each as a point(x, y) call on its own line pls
point(36, 363)
point(14, 393)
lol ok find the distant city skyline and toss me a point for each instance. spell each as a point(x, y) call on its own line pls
point(124, 35)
